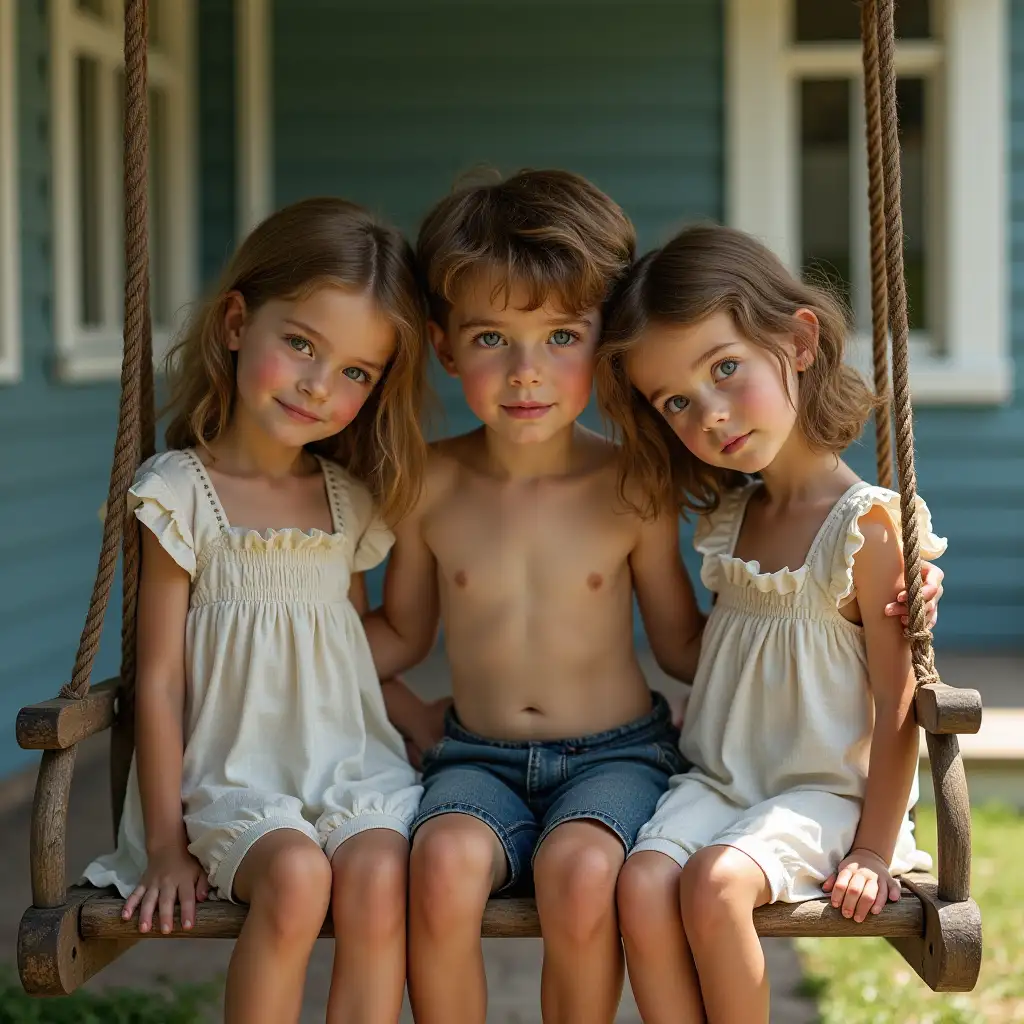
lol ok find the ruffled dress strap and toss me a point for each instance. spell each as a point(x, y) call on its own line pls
point(168, 497)
point(355, 515)
point(835, 572)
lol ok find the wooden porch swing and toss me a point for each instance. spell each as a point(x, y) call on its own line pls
point(69, 934)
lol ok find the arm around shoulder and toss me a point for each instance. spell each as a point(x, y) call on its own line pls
point(664, 592)
point(403, 630)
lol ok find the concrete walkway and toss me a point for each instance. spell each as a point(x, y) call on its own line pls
point(513, 965)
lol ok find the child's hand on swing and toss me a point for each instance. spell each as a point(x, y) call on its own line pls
point(172, 876)
point(861, 884)
point(931, 593)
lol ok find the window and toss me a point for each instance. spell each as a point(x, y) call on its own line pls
point(88, 112)
point(10, 241)
point(798, 178)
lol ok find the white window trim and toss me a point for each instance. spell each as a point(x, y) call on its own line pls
point(92, 354)
point(976, 365)
point(254, 114)
point(10, 236)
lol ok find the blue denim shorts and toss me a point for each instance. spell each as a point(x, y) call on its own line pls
point(522, 790)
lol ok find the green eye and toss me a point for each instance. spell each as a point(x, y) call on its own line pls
point(562, 339)
point(675, 404)
point(356, 373)
point(299, 344)
point(727, 367)
point(489, 339)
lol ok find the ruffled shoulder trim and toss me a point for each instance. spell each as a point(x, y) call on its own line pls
point(163, 502)
point(850, 539)
point(355, 515)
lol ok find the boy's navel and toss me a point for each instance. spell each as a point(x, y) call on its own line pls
point(460, 578)
point(595, 580)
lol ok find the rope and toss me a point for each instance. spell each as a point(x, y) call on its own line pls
point(876, 205)
point(136, 375)
point(919, 634)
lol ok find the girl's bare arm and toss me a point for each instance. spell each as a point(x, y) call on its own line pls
point(172, 874)
point(672, 620)
point(863, 882)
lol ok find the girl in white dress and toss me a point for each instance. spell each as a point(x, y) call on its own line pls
point(266, 770)
point(719, 365)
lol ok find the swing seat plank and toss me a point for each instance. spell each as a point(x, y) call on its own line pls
point(516, 917)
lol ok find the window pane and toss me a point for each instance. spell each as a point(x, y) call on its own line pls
point(825, 182)
point(911, 101)
point(89, 199)
point(818, 21)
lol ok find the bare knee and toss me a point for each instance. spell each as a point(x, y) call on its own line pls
point(368, 893)
point(719, 890)
point(648, 898)
point(452, 869)
point(291, 894)
point(575, 871)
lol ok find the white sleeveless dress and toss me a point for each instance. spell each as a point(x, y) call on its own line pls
point(779, 723)
point(284, 723)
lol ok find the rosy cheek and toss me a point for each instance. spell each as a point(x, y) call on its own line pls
point(574, 380)
point(270, 371)
point(479, 384)
point(346, 406)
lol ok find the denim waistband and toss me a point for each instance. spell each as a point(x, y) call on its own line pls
point(647, 728)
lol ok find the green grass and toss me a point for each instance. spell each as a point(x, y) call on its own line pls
point(170, 1004)
point(865, 981)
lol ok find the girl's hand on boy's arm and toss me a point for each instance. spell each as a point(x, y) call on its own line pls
point(172, 876)
point(861, 885)
point(931, 592)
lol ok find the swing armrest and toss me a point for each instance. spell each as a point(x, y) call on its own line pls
point(62, 722)
point(944, 710)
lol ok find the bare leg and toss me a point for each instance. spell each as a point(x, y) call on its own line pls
point(286, 880)
point(368, 909)
point(661, 968)
point(574, 875)
point(720, 888)
point(456, 863)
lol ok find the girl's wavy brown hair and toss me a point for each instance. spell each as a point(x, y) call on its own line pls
point(323, 242)
point(704, 270)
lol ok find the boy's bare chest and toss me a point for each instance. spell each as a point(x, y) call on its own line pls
point(546, 539)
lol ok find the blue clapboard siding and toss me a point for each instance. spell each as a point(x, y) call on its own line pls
point(55, 439)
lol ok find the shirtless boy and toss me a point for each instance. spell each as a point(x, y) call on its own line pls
point(555, 752)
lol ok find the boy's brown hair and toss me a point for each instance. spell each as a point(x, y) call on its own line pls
point(551, 231)
point(705, 270)
point(322, 242)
